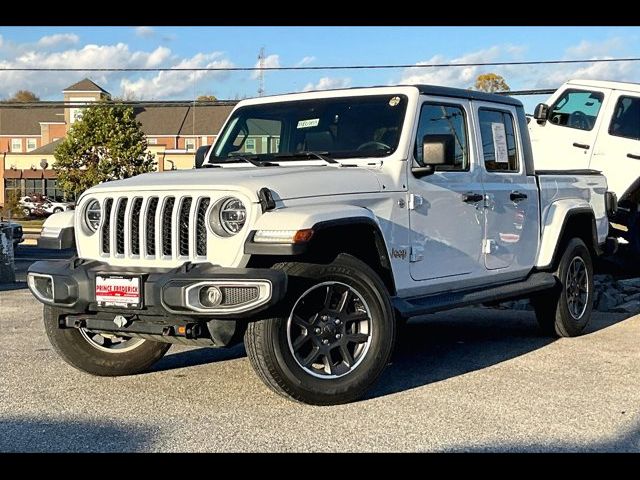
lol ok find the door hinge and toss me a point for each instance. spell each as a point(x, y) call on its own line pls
point(417, 254)
point(414, 201)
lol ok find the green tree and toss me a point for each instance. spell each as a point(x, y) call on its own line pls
point(206, 98)
point(491, 82)
point(24, 96)
point(107, 143)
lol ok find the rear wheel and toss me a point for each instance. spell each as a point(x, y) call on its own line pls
point(58, 210)
point(566, 310)
point(101, 353)
point(334, 338)
point(26, 212)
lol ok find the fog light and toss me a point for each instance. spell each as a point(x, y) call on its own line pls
point(41, 286)
point(210, 296)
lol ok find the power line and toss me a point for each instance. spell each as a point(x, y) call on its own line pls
point(312, 67)
point(191, 103)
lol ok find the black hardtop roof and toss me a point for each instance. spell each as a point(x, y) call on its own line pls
point(468, 94)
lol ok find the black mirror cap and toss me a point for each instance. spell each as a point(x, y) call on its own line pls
point(200, 155)
point(541, 113)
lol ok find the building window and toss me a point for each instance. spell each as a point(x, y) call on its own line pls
point(189, 144)
point(33, 186)
point(12, 188)
point(152, 141)
point(16, 145)
point(250, 145)
point(52, 191)
point(32, 144)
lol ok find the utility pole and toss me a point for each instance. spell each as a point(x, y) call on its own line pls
point(261, 72)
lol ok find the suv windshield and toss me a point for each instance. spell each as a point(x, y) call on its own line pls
point(367, 126)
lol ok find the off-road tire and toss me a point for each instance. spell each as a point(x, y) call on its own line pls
point(268, 348)
point(79, 353)
point(552, 308)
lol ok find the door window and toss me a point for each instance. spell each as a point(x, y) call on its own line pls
point(626, 118)
point(499, 146)
point(447, 121)
point(576, 109)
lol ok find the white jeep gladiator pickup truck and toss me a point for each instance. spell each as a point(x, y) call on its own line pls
point(595, 124)
point(315, 223)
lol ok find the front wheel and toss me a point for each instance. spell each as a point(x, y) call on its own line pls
point(566, 310)
point(101, 354)
point(334, 338)
point(26, 212)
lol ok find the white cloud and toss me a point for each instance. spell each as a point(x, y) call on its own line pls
point(586, 49)
point(462, 77)
point(57, 39)
point(160, 85)
point(145, 32)
point(166, 84)
point(306, 61)
point(270, 61)
point(521, 77)
point(328, 83)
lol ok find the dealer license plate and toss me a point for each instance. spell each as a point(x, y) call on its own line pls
point(118, 291)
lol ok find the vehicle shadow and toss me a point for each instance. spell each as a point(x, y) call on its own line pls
point(432, 348)
point(198, 356)
point(8, 287)
point(19, 434)
point(449, 344)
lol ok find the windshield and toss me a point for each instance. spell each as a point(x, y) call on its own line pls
point(367, 126)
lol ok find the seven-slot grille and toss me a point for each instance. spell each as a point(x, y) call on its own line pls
point(164, 227)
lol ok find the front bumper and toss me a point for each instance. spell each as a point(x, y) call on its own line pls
point(166, 293)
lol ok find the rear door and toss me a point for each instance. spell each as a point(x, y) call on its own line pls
point(566, 140)
point(511, 196)
point(617, 150)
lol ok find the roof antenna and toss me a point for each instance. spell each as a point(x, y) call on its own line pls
point(261, 72)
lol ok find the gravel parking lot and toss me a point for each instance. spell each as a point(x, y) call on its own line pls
point(466, 380)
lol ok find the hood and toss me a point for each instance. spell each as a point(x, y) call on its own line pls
point(285, 182)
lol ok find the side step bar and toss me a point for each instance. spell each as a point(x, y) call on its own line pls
point(412, 307)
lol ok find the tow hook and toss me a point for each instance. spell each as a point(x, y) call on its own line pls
point(121, 321)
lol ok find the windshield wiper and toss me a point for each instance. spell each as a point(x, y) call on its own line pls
point(253, 160)
point(307, 154)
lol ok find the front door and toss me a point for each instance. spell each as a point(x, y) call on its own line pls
point(566, 140)
point(446, 210)
point(511, 195)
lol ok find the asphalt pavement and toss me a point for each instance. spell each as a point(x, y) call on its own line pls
point(466, 380)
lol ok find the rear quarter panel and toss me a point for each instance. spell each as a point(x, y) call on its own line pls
point(561, 194)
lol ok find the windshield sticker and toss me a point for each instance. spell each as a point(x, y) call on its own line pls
point(500, 143)
point(394, 101)
point(312, 122)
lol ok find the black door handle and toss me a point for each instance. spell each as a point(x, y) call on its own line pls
point(471, 197)
point(516, 196)
point(635, 157)
point(581, 145)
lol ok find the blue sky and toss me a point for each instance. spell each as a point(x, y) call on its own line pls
point(288, 46)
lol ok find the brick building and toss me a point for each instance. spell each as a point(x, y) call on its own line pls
point(28, 137)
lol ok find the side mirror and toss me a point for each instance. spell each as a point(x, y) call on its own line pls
point(541, 113)
point(436, 150)
point(200, 155)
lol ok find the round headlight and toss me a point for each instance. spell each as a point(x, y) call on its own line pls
point(92, 215)
point(233, 215)
point(228, 216)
